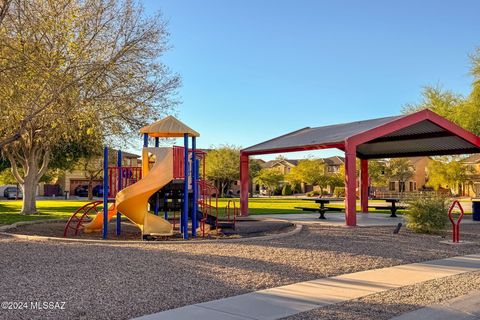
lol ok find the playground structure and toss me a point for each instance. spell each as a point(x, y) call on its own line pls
point(171, 180)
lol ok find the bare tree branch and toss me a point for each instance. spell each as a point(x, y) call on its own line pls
point(44, 166)
point(14, 169)
point(4, 4)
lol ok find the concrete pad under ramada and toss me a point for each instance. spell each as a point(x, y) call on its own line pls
point(337, 219)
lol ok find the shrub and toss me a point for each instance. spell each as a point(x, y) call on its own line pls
point(287, 190)
point(339, 192)
point(428, 214)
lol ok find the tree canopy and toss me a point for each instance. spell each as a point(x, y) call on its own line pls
point(311, 171)
point(377, 173)
point(269, 178)
point(71, 69)
point(399, 169)
point(222, 165)
point(463, 110)
point(447, 173)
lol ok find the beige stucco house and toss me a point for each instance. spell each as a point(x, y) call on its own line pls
point(71, 179)
point(416, 182)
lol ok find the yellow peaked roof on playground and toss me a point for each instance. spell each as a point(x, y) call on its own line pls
point(169, 127)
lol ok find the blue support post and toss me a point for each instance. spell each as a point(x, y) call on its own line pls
point(120, 186)
point(156, 207)
point(145, 140)
point(165, 205)
point(105, 193)
point(157, 204)
point(184, 225)
point(194, 188)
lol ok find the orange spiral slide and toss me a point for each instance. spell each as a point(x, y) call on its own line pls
point(132, 201)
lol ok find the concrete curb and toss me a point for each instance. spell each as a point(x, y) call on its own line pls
point(296, 230)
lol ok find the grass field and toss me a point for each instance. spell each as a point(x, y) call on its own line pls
point(48, 209)
point(57, 209)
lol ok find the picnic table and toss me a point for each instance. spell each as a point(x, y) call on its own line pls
point(322, 208)
point(393, 207)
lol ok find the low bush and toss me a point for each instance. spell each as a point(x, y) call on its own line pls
point(428, 214)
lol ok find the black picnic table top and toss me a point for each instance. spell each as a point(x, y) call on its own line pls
point(323, 200)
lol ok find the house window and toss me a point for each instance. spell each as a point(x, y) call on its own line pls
point(333, 169)
point(413, 186)
point(391, 186)
point(401, 186)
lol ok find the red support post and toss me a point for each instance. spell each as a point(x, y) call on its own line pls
point(350, 184)
point(244, 182)
point(364, 185)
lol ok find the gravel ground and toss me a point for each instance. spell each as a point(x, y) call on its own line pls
point(385, 305)
point(120, 281)
point(243, 228)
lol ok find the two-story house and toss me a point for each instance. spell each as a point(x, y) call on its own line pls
point(332, 166)
point(83, 173)
point(416, 182)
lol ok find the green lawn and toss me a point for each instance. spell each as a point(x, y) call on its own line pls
point(48, 209)
point(57, 209)
point(286, 205)
point(271, 205)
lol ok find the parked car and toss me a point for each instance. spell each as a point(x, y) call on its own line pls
point(81, 191)
point(98, 191)
point(13, 193)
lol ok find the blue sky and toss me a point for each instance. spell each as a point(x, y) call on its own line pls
point(256, 69)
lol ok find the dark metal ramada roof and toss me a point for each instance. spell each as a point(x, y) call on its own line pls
point(418, 134)
point(319, 135)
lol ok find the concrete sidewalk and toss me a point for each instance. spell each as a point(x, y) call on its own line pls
point(466, 307)
point(276, 303)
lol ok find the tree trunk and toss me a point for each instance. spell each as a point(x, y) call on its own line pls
point(29, 188)
point(32, 175)
point(90, 188)
point(29, 205)
point(224, 185)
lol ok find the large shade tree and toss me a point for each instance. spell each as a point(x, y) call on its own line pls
point(399, 169)
point(71, 68)
point(222, 166)
point(464, 110)
point(312, 171)
point(448, 172)
point(270, 178)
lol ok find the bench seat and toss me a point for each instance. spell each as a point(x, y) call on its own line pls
point(308, 209)
point(387, 207)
